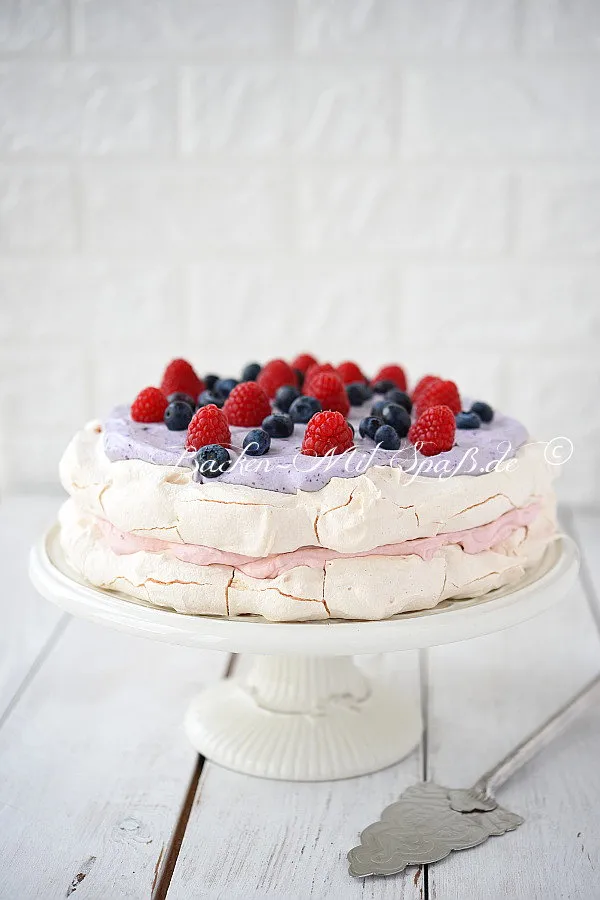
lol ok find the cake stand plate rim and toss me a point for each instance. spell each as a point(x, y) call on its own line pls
point(461, 620)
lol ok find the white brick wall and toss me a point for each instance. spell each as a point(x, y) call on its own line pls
point(411, 180)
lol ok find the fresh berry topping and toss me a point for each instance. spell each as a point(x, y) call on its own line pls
point(423, 383)
point(224, 386)
point(278, 426)
point(274, 375)
point(395, 415)
point(257, 442)
point(304, 408)
point(382, 387)
point(439, 393)
point(210, 381)
point(327, 433)
point(206, 398)
point(149, 406)
point(434, 431)
point(387, 437)
point(400, 397)
point(303, 362)
point(180, 377)
point(185, 398)
point(299, 377)
point(178, 415)
point(208, 426)
point(377, 408)
point(212, 460)
point(247, 405)
point(358, 393)
point(369, 425)
point(285, 396)
point(327, 387)
point(250, 372)
point(392, 373)
point(312, 372)
point(483, 410)
point(468, 420)
point(349, 372)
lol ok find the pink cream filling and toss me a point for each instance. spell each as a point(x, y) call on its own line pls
point(472, 540)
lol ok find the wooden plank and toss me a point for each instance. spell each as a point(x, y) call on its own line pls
point(484, 697)
point(584, 527)
point(249, 837)
point(29, 623)
point(94, 765)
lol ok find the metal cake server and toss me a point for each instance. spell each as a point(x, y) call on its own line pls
point(429, 821)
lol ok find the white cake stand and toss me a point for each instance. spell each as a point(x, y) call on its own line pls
point(305, 712)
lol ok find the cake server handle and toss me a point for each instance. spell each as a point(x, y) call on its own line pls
point(495, 777)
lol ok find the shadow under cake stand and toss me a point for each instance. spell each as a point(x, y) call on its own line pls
point(305, 711)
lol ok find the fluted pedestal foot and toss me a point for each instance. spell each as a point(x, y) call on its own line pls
point(302, 718)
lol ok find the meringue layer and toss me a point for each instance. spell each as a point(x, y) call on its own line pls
point(472, 540)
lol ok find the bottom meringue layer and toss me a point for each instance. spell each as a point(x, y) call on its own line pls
point(365, 586)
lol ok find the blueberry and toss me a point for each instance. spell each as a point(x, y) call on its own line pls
point(224, 386)
point(251, 372)
point(377, 408)
point(210, 381)
point(483, 410)
point(400, 397)
point(467, 420)
point(395, 415)
point(185, 398)
point(285, 396)
point(351, 427)
point(382, 387)
point(303, 409)
point(278, 426)
point(387, 437)
point(212, 460)
point(207, 397)
point(178, 415)
point(369, 426)
point(356, 393)
point(300, 377)
point(257, 442)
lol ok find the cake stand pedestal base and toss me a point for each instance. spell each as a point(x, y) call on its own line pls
point(304, 718)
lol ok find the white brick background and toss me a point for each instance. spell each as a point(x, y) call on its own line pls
point(385, 180)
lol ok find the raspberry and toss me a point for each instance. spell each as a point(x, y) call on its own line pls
point(439, 393)
point(423, 383)
point(391, 373)
point(276, 374)
point(180, 377)
point(208, 426)
point(311, 372)
point(149, 406)
point(433, 432)
point(328, 389)
point(303, 362)
point(349, 372)
point(247, 405)
point(327, 433)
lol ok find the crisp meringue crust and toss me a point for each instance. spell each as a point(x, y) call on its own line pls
point(351, 516)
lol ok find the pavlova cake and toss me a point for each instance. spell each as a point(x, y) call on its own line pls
point(303, 492)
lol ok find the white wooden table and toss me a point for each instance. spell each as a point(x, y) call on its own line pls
point(101, 795)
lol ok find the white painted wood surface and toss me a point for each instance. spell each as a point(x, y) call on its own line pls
point(28, 622)
point(94, 766)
